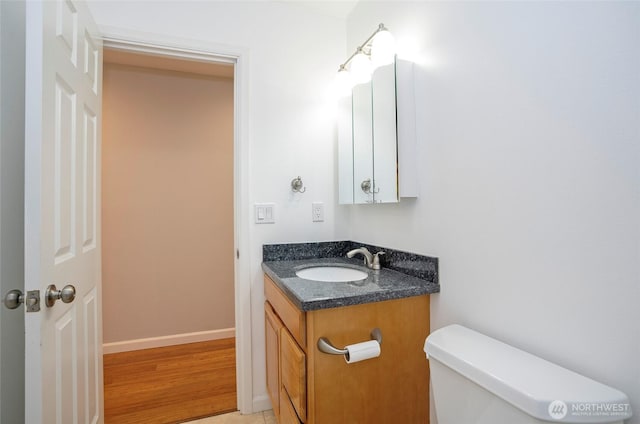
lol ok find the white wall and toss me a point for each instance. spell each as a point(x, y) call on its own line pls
point(12, 39)
point(528, 121)
point(528, 129)
point(293, 56)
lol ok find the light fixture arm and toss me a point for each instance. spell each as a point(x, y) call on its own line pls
point(360, 48)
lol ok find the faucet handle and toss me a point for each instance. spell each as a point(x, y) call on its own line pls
point(376, 260)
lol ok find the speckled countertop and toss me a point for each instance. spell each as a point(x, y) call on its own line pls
point(385, 284)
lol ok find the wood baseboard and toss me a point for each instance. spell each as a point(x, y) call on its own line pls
point(172, 340)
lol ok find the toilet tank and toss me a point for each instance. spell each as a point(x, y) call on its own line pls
point(477, 379)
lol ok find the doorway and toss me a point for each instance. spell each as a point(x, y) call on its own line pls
point(168, 221)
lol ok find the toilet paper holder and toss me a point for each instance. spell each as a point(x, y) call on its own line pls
point(325, 345)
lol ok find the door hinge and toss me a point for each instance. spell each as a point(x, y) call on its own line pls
point(237, 253)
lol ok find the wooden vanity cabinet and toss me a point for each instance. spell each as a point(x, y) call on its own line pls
point(286, 359)
point(312, 387)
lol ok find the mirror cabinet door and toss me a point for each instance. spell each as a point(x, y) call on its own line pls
point(385, 152)
point(345, 152)
point(368, 138)
point(362, 116)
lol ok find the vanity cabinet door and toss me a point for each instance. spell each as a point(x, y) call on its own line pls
point(272, 328)
point(293, 373)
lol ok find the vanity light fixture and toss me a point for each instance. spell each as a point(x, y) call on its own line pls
point(377, 50)
point(343, 82)
point(361, 67)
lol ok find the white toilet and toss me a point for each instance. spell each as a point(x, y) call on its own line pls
point(479, 380)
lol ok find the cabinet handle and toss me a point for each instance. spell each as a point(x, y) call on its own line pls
point(325, 345)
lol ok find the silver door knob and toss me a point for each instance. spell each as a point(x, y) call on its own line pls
point(66, 294)
point(13, 299)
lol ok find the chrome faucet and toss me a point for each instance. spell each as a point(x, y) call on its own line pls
point(371, 261)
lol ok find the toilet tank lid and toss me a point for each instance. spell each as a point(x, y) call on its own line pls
point(538, 387)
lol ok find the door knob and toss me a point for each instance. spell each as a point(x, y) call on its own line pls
point(13, 299)
point(66, 294)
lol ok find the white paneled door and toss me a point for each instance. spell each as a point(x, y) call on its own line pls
point(62, 212)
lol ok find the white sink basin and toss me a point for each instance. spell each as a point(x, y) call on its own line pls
point(332, 274)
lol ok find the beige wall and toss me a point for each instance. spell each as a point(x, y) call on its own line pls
point(167, 203)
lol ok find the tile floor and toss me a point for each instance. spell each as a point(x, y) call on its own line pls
point(265, 417)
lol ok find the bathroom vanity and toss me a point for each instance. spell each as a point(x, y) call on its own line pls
point(307, 385)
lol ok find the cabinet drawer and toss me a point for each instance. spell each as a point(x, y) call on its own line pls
point(291, 316)
point(287, 413)
point(293, 373)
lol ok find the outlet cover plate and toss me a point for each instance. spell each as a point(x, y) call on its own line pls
point(317, 212)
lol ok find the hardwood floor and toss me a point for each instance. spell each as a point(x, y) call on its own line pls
point(170, 384)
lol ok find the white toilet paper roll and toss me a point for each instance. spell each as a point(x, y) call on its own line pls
point(361, 351)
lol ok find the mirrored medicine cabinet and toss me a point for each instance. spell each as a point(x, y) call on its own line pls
point(376, 138)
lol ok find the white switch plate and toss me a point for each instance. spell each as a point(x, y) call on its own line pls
point(264, 213)
point(317, 212)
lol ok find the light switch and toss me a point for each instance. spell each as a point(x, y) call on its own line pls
point(264, 213)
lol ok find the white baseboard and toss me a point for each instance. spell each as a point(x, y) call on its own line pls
point(172, 340)
point(261, 403)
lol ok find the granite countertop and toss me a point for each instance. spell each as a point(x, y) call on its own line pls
point(385, 284)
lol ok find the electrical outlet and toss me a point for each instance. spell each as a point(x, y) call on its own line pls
point(317, 212)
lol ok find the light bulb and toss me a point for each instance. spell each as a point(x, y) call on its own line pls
point(383, 48)
point(343, 83)
point(361, 68)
